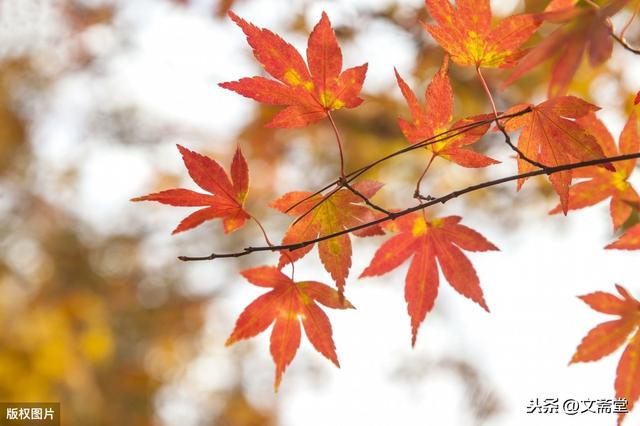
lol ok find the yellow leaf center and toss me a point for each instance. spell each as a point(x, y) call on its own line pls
point(327, 100)
point(294, 79)
point(619, 180)
point(419, 227)
point(436, 223)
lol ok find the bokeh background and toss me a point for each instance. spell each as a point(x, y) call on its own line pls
point(98, 313)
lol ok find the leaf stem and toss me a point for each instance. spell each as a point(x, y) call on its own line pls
point(339, 141)
point(488, 92)
point(416, 193)
point(270, 244)
point(264, 232)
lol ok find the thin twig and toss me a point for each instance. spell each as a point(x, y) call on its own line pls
point(308, 197)
point(451, 133)
point(440, 137)
point(350, 177)
point(342, 181)
point(625, 44)
point(323, 200)
point(521, 155)
point(442, 200)
point(507, 138)
point(366, 199)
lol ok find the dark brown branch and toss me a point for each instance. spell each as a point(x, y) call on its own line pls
point(625, 44)
point(521, 155)
point(440, 137)
point(426, 142)
point(507, 138)
point(350, 177)
point(308, 197)
point(342, 182)
point(345, 183)
point(424, 197)
point(442, 200)
point(315, 206)
point(451, 133)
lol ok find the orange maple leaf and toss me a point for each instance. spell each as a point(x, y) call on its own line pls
point(585, 28)
point(426, 241)
point(227, 196)
point(435, 117)
point(550, 136)
point(324, 215)
point(606, 337)
point(630, 240)
point(309, 93)
point(605, 183)
point(287, 304)
point(465, 33)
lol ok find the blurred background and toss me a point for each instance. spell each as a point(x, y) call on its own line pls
point(98, 313)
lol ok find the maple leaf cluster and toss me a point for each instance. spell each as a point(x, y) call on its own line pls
point(560, 137)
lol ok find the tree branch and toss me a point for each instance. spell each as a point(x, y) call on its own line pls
point(345, 183)
point(625, 44)
point(439, 200)
point(507, 138)
point(451, 133)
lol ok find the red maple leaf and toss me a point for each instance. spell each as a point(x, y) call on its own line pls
point(585, 28)
point(630, 240)
point(605, 338)
point(226, 196)
point(435, 118)
point(309, 93)
point(286, 304)
point(426, 241)
point(605, 183)
point(324, 215)
point(465, 33)
point(550, 137)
